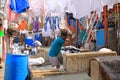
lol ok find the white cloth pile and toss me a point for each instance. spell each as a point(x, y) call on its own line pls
point(36, 61)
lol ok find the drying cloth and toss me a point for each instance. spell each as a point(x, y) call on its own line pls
point(37, 6)
point(35, 24)
point(11, 16)
point(19, 6)
point(37, 36)
point(22, 25)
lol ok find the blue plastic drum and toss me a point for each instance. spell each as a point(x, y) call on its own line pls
point(16, 67)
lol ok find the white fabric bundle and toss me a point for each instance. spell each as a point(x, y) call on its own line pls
point(36, 61)
point(105, 50)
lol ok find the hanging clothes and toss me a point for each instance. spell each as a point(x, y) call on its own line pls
point(41, 23)
point(29, 27)
point(72, 25)
point(22, 26)
point(37, 37)
point(5, 24)
point(11, 16)
point(37, 7)
point(79, 8)
point(54, 22)
point(47, 27)
point(19, 6)
point(35, 24)
point(57, 22)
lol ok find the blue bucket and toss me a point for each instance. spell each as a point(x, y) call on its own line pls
point(16, 67)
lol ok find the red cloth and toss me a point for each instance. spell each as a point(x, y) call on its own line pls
point(11, 13)
point(22, 25)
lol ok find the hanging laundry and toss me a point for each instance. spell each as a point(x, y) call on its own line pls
point(47, 19)
point(5, 24)
point(57, 22)
point(35, 24)
point(19, 6)
point(81, 24)
point(50, 23)
point(70, 25)
point(29, 23)
point(37, 7)
point(45, 27)
point(37, 37)
point(85, 23)
point(74, 23)
point(22, 26)
point(11, 16)
point(54, 22)
point(29, 27)
point(41, 23)
point(79, 8)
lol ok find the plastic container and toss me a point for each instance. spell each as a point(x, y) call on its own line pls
point(16, 67)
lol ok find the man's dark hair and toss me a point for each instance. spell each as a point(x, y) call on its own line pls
point(64, 32)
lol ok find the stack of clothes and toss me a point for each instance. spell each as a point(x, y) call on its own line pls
point(70, 49)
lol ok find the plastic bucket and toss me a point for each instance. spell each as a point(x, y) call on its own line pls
point(16, 67)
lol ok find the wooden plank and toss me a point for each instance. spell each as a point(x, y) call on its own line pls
point(41, 73)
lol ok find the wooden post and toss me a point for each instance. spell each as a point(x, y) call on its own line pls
point(118, 24)
point(77, 33)
point(105, 25)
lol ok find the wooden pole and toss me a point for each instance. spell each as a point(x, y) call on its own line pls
point(105, 25)
point(118, 20)
point(77, 27)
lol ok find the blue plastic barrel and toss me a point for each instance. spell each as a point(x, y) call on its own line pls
point(16, 67)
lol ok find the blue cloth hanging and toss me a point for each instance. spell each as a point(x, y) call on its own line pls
point(37, 37)
point(57, 21)
point(69, 22)
point(54, 23)
point(19, 6)
point(45, 27)
point(74, 23)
